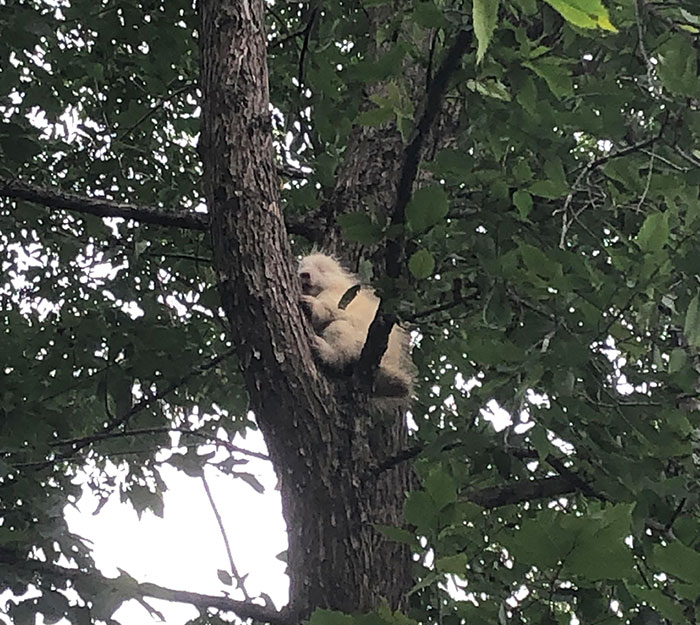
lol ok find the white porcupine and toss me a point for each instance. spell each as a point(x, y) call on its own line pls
point(341, 333)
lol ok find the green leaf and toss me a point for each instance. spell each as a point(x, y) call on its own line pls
point(420, 510)
point(456, 564)
point(599, 550)
point(539, 440)
point(554, 73)
point(691, 328)
point(421, 264)
point(428, 15)
point(489, 350)
point(527, 96)
point(491, 88)
point(224, 577)
point(359, 227)
point(498, 312)
point(583, 13)
point(427, 207)
point(330, 617)
point(523, 202)
point(654, 233)
point(678, 358)
point(678, 560)
point(677, 67)
point(485, 17)
point(441, 488)
point(375, 117)
point(547, 188)
point(389, 64)
point(539, 541)
point(538, 262)
point(529, 7)
point(19, 149)
point(666, 606)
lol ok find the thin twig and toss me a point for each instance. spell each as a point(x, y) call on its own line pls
point(153, 110)
point(436, 309)
point(648, 182)
point(594, 164)
point(123, 419)
point(305, 47)
point(274, 43)
point(192, 257)
point(239, 580)
point(214, 440)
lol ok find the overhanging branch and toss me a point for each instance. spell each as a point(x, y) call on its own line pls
point(208, 438)
point(54, 198)
point(101, 207)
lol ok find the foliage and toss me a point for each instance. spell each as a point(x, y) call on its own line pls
point(553, 274)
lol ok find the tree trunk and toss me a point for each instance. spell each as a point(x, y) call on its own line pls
point(337, 557)
point(324, 438)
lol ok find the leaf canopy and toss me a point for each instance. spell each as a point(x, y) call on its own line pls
point(552, 279)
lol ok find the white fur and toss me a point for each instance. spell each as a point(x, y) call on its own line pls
point(341, 334)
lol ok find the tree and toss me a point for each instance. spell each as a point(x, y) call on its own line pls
point(520, 182)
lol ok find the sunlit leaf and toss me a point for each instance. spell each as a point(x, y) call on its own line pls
point(485, 15)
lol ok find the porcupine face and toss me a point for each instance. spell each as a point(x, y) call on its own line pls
point(319, 272)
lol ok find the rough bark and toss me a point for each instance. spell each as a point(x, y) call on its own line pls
point(323, 437)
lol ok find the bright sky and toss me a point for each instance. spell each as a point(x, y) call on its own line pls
point(185, 549)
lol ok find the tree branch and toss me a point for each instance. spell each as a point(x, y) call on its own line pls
point(242, 609)
point(101, 207)
point(524, 490)
point(54, 198)
point(436, 309)
point(375, 345)
point(414, 150)
point(378, 335)
point(403, 456)
point(125, 588)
